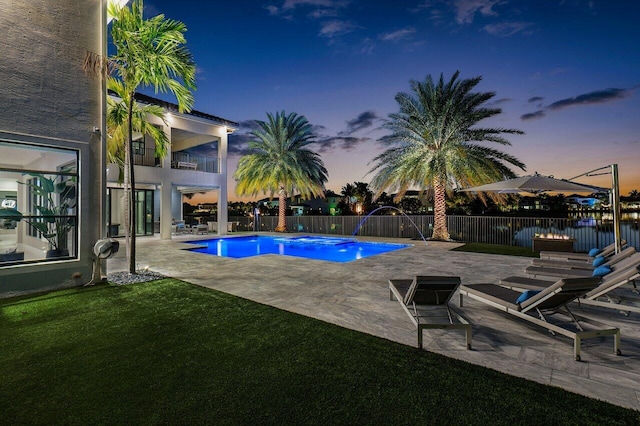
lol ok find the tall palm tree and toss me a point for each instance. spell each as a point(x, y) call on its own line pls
point(281, 163)
point(349, 195)
point(433, 143)
point(149, 53)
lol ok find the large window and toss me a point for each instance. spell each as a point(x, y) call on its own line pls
point(41, 222)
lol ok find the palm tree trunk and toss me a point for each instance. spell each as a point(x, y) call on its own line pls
point(440, 231)
point(282, 210)
point(132, 191)
point(126, 187)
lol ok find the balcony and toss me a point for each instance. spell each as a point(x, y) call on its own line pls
point(179, 160)
point(184, 161)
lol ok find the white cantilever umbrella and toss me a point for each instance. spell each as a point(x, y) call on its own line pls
point(534, 184)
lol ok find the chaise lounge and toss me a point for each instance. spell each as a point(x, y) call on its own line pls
point(426, 300)
point(549, 302)
point(559, 269)
point(604, 295)
point(584, 257)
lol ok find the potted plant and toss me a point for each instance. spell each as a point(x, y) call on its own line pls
point(56, 200)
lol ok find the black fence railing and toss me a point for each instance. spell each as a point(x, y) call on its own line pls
point(515, 231)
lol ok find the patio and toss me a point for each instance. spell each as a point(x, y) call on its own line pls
point(355, 295)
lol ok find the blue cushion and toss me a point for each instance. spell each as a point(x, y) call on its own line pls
point(527, 295)
point(598, 261)
point(594, 252)
point(601, 271)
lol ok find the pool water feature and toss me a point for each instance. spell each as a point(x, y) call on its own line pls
point(321, 248)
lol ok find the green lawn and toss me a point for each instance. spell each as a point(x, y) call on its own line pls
point(168, 352)
point(497, 249)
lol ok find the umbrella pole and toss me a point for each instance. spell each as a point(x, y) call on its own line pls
point(615, 193)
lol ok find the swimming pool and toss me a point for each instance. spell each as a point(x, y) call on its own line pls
point(320, 248)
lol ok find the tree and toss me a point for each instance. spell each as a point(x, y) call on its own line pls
point(280, 162)
point(364, 196)
point(117, 130)
point(348, 196)
point(433, 143)
point(149, 53)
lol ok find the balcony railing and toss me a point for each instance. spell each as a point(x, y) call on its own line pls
point(181, 160)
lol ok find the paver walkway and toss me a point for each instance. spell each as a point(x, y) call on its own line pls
point(355, 295)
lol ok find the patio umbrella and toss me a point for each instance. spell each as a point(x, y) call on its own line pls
point(534, 184)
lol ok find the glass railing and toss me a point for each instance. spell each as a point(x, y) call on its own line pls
point(184, 161)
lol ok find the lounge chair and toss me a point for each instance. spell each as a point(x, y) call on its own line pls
point(426, 300)
point(608, 257)
point(604, 295)
point(565, 269)
point(563, 256)
point(549, 302)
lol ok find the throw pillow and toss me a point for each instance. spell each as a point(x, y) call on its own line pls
point(594, 252)
point(601, 271)
point(528, 294)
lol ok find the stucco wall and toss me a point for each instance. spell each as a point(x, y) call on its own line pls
point(46, 97)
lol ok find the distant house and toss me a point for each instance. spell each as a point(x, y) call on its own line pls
point(299, 206)
point(582, 202)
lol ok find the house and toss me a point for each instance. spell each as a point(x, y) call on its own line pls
point(53, 170)
point(197, 162)
point(301, 206)
point(52, 128)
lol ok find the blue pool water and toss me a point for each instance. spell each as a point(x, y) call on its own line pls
point(322, 248)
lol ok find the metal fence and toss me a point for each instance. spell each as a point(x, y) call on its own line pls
point(515, 231)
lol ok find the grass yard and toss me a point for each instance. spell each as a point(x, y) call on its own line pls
point(497, 249)
point(168, 352)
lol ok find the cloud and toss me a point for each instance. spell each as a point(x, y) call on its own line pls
point(591, 98)
point(239, 140)
point(323, 13)
point(501, 101)
point(506, 29)
point(273, 10)
point(362, 121)
point(532, 115)
point(466, 9)
point(597, 97)
point(400, 34)
point(292, 4)
point(335, 28)
point(239, 144)
point(344, 143)
point(535, 99)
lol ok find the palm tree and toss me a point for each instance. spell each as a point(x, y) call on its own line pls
point(280, 162)
point(117, 131)
point(149, 53)
point(433, 143)
point(349, 195)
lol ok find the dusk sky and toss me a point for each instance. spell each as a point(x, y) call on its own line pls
point(566, 72)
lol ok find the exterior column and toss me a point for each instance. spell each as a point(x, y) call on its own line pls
point(223, 200)
point(165, 212)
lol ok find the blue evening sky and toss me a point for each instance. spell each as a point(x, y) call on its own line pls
point(566, 72)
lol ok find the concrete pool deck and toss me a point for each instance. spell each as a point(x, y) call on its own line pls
point(355, 295)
